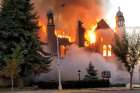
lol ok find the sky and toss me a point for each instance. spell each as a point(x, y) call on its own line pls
point(130, 9)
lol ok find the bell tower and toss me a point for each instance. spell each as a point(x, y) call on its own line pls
point(52, 39)
point(120, 23)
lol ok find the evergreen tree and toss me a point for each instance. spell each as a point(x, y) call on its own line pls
point(18, 27)
point(91, 73)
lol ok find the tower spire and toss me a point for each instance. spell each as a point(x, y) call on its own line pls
point(119, 8)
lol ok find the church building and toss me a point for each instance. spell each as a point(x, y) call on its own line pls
point(103, 32)
point(105, 35)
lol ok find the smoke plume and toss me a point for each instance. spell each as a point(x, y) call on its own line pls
point(68, 12)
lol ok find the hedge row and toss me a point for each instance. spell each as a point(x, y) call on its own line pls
point(75, 84)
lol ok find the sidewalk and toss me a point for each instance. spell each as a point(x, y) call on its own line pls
point(116, 89)
point(90, 90)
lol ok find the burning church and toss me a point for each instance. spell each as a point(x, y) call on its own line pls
point(99, 38)
point(91, 41)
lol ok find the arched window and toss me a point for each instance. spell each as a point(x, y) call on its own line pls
point(109, 50)
point(104, 50)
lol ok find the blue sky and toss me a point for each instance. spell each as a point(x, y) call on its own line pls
point(130, 9)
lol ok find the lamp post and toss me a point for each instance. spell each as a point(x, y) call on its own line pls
point(79, 74)
point(58, 57)
point(58, 67)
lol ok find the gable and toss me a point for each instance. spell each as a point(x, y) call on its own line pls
point(102, 25)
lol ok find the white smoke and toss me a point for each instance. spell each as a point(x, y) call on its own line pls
point(79, 58)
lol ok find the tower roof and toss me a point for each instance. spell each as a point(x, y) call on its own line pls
point(102, 25)
point(120, 14)
point(50, 13)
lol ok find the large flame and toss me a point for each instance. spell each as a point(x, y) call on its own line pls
point(90, 36)
point(69, 12)
point(42, 34)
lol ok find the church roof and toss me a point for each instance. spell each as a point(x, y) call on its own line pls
point(102, 25)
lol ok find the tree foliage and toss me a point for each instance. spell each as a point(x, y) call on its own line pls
point(12, 64)
point(91, 73)
point(18, 38)
point(127, 49)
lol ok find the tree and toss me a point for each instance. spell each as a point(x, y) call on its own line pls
point(91, 73)
point(12, 66)
point(127, 49)
point(18, 27)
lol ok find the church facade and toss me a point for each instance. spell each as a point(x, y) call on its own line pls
point(105, 35)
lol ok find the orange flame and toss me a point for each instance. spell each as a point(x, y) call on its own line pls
point(42, 32)
point(90, 36)
point(62, 34)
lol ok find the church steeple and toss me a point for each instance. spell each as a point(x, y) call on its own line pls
point(50, 18)
point(52, 40)
point(120, 22)
point(119, 18)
